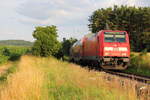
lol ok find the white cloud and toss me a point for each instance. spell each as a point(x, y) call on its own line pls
point(71, 16)
point(60, 12)
point(56, 10)
point(130, 2)
point(7, 33)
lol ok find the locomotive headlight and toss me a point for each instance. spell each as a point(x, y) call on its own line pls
point(106, 54)
point(124, 54)
point(108, 48)
point(123, 49)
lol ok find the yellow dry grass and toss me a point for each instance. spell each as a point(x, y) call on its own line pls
point(50, 79)
point(141, 60)
point(4, 67)
point(25, 84)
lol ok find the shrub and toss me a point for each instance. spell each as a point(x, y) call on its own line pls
point(139, 64)
point(12, 53)
point(3, 59)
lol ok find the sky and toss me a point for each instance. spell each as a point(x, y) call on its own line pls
point(18, 18)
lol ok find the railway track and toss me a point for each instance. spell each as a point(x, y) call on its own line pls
point(139, 78)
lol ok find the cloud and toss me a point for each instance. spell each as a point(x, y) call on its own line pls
point(34, 9)
point(71, 16)
point(130, 2)
point(7, 33)
point(62, 12)
point(56, 11)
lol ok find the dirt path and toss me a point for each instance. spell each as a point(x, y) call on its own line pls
point(4, 68)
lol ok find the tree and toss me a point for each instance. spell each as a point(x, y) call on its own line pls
point(146, 40)
point(46, 43)
point(136, 21)
point(66, 45)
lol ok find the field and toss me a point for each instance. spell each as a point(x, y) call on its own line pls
point(38, 78)
point(25, 77)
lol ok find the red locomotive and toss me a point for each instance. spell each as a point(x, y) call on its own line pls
point(108, 49)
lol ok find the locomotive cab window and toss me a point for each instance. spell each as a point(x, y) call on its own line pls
point(120, 38)
point(109, 38)
point(115, 37)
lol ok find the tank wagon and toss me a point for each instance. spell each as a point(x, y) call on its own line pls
point(107, 49)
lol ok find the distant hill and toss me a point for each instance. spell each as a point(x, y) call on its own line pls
point(16, 42)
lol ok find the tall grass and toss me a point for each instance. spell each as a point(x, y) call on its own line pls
point(140, 64)
point(50, 79)
point(25, 84)
point(140, 60)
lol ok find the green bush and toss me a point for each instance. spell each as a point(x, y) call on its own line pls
point(12, 53)
point(139, 64)
point(141, 60)
point(3, 59)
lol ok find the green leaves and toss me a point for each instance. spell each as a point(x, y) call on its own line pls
point(131, 19)
point(66, 45)
point(12, 53)
point(46, 43)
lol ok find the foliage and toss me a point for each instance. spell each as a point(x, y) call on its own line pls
point(64, 50)
point(146, 40)
point(136, 21)
point(139, 64)
point(3, 58)
point(12, 53)
point(11, 69)
point(16, 43)
point(46, 43)
point(66, 45)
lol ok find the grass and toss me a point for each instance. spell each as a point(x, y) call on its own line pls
point(24, 84)
point(50, 79)
point(10, 70)
point(140, 64)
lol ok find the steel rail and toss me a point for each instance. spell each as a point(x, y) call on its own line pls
point(143, 79)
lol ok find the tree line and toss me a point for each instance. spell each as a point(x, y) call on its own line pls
point(134, 20)
point(16, 43)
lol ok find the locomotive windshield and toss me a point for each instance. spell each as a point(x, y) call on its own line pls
point(114, 37)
